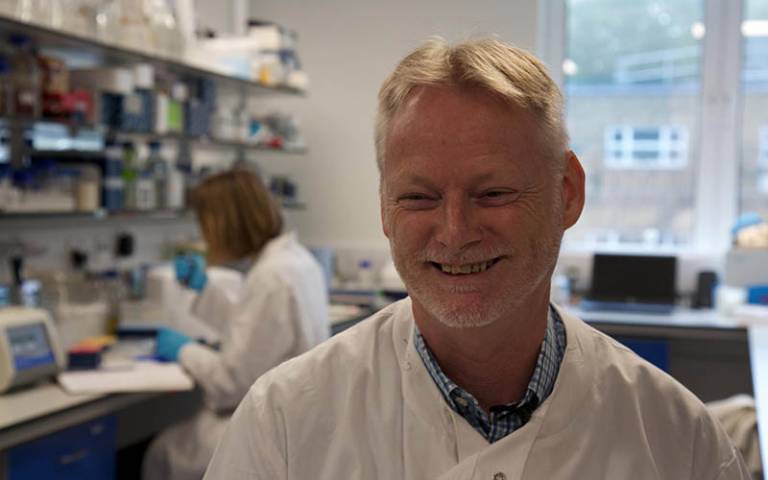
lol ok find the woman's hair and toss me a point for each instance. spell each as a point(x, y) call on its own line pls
point(502, 70)
point(236, 213)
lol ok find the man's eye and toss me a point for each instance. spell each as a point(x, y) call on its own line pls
point(416, 201)
point(498, 197)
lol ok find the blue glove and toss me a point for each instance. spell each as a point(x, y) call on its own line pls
point(190, 271)
point(169, 343)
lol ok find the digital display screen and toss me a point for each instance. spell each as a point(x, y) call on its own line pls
point(29, 346)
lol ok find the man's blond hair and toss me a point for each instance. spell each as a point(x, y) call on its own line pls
point(505, 71)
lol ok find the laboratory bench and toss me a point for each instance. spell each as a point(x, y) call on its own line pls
point(44, 429)
point(704, 351)
point(709, 355)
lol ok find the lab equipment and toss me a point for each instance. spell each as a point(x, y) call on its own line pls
point(29, 347)
point(169, 343)
point(745, 267)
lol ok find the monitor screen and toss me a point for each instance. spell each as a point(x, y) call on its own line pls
point(30, 346)
point(634, 278)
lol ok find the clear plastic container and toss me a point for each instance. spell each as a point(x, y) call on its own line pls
point(166, 35)
point(49, 13)
point(8, 8)
point(108, 21)
point(81, 19)
point(133, 24)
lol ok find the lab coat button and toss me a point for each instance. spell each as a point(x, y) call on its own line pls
point(406, 366)
point(499, 476)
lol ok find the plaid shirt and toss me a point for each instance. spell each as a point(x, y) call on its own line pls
point(503, 419)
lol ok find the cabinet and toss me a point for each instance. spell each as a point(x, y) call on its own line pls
point(82, 452)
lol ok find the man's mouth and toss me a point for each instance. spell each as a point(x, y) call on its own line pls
point(466, 268)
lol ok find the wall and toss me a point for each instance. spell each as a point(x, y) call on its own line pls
point(348, 47)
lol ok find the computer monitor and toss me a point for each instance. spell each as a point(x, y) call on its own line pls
point(633, 278)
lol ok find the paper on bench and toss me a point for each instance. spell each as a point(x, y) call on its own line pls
point(141, 377)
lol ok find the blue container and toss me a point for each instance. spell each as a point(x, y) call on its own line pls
point(197, 117)
point(111, 110)
point(113, 186)
point(758, 294)
point(139, 111)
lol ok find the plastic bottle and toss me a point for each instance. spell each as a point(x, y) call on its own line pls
point(365, 275)
point(87, 197)
point(130, 176)
point(158, 170)
point(165, 31)
point(176, 189)
point(114, 184)
point(25, 77)
point(6, 90)
point(146, 194)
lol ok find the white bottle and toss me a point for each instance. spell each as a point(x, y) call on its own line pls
point(145, 192)
point(365, 275)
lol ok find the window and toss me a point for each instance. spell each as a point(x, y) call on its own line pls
point(754, 124)
point(646, 148)
point(652, 95)
point(634, 67)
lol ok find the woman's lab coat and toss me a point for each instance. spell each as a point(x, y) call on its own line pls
point(280, 312)
point(362, 405)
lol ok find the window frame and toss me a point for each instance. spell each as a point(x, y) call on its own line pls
point(719, 120)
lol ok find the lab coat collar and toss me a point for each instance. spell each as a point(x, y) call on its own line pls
point(278, 243)
point(422, 397)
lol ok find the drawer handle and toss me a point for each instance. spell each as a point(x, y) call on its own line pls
point(74, 457)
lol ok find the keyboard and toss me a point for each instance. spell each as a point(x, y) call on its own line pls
point(632, 307)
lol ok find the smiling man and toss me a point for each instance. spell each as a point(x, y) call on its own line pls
point(476, 374)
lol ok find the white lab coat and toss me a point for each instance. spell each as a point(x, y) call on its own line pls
point(281, 311)
point(362, 405)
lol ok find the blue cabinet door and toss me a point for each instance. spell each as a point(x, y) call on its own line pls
point(83, 452)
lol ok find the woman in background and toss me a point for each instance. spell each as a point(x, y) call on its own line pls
point(279, 312)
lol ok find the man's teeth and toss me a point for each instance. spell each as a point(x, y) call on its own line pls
point(465, 269)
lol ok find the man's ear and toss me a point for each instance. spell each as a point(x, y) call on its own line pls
point(572, 189)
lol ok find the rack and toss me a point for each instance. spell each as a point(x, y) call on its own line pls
point(113, 55)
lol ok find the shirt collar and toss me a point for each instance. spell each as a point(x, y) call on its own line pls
point(539, 387)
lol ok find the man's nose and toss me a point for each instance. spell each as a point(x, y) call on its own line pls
point(460, 227)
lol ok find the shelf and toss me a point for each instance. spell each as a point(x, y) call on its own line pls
point(113, 55)
point(203, 140)
point(99, 215)
point(127, 215)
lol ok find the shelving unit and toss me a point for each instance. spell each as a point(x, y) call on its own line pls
point(113, 55)
point(108, 55)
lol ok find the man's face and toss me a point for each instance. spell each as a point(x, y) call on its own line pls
point(471, 203)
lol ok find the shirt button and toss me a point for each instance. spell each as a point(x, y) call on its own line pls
point(499, 476)
point(406, 366)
